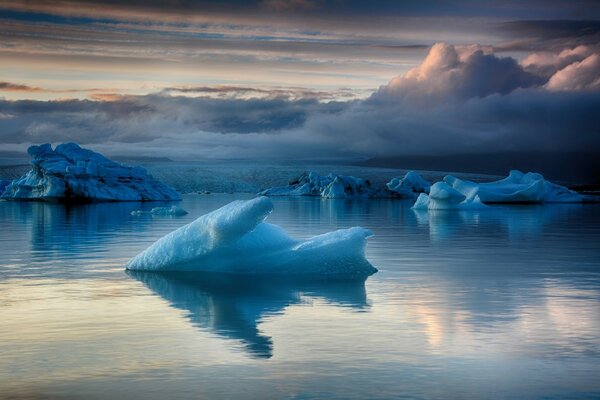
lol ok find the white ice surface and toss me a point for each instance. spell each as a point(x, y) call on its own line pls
point(235, 239)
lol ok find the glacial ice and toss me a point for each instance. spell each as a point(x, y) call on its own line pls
point(330, 187)
point(517, 187)
point(163, 211)
point(235, 239)
point(71, 173)
point(410, 186)
point(443, 197)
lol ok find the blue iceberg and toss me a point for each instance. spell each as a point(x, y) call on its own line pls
point(71, 173)
point(235, 239)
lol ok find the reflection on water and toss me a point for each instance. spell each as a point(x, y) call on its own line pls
point(502, 303)
point(232, 306)
point(518, 222)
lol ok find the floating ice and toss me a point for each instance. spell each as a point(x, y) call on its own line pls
point(443, 197)
point(168, 211)
point(517, 187)
point(330, 187)
point(457, 194)
point(70, 173)
point(410, 186)
point(234, 239)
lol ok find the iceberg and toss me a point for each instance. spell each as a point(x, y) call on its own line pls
point(443, 197)
point(517, 187)
point(235, 239)
point(163, 211)
point(410, 186)
point(330, 187)
point(71, 173)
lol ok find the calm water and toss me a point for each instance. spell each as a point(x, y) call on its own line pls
point(494, 304)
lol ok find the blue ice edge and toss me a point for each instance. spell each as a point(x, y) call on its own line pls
point(234, 239)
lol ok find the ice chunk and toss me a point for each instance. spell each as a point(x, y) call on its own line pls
point(330, 186)
point(443, 197)
point(71, 173)
point(171, 211)
point(410, 186)
point(517, 187)
point(235, 239)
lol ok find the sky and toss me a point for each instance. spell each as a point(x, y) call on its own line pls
point(301, 79)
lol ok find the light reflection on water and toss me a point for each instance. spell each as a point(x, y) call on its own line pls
point(502, 304)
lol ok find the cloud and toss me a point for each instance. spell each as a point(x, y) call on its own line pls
point(457, 72)
point(460, 100)
point(550, 34)
point(547, 63)
point(246, 92)
point(580, 75)
point(15, 87)
point(289, 5)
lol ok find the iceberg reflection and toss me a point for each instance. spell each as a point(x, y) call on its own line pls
point(233, 305)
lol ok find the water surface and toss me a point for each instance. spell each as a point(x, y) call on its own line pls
point(489, 304)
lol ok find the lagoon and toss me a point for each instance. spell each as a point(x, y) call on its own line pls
point(501, 303)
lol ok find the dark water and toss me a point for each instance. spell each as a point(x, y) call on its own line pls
point(490, 304)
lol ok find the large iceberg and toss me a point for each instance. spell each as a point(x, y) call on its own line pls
point(410, 186)
point(70, 173)
point(234, 239)
point(517, 187)
point(330, 186)
point(443, 197)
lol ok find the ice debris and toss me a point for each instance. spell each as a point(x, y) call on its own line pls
point(329, 186)
point(163, 211)
point(235, 239)
point(71, 173)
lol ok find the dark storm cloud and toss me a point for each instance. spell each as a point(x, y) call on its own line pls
point(138, 119)
point(548, 35)
point(15, 87)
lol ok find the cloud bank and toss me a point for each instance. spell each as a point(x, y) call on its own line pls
point(460, 99)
